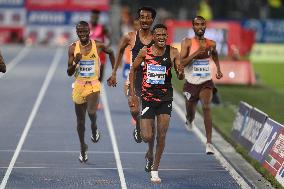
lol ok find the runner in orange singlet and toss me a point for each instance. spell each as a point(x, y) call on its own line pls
point(195, 55)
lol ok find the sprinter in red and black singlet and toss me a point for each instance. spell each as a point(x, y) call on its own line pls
point(136, 40)
point(157, 93)
point(156, 84)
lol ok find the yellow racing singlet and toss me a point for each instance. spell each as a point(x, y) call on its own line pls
point(89, 65)
point(87, 74)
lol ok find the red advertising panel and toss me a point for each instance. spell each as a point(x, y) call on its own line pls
point(11, 35)
point(78, 5)
point(234, 72)
point(275, 157)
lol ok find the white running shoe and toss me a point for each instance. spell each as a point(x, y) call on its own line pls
point(96, 138)
point(189, 125)
point(209, 149)
point(155, 177)
point(83, 157)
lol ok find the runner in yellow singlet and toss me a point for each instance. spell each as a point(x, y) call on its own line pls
point(84, 64)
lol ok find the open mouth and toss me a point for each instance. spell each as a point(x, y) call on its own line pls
point(145, 25)
point(83, 37)
point(161, 42)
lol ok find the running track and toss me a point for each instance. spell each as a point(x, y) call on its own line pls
point(39, 146)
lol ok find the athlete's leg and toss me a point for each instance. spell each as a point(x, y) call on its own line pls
point(80, 110)
point(162, 127)
point(190, 92)
point(147, 132)
point(92, 101)
point(135, 113)
point(149, 154)
point(151, 142)
point(190, 109)
point(148, 136)
point(205, 98)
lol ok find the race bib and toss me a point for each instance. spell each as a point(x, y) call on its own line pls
point(87, 68)
point(156, 74)
point(201, 68)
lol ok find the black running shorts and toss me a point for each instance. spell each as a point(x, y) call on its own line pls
point(151, 109)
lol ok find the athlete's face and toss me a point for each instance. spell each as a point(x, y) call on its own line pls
point(160, 37)
point(83, 33)
point(199, 26)
point(145, 19)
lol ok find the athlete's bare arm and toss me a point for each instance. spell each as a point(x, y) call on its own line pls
point(215, 58)
point(186, 59)
point(137, 62)
point(72, 61)
point(106, 49)
point(2, 64)
point(175, 59)
point(123, 43)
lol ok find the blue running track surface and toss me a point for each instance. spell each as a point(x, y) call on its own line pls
point(39, 146)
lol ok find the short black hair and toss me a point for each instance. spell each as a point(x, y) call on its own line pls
point(198, 17)
point(82, 23)
point(96, 11)
point(159, 26)
point(147, 8)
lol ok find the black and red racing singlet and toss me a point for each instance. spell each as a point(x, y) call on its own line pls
point(156, 84)
point(134, 51)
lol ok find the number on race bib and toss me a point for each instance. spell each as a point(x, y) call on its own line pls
point(201, 68)
point(156, 74)
point(87, 68)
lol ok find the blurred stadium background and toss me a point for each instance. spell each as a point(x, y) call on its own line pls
point(249, 36)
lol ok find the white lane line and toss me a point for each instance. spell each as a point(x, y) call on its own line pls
point(98, 152)
point(17, 59)
point(115, 168)
point(41, 94)
point(238, 178)
point(113, 138)
point(61, 168)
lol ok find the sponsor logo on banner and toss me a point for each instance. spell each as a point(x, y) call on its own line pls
point(275, 158)
point(268, 31)
point(12, 17)
point(47, 17)
point(11, 3)
point(56, 17)
point(252, 130)
point(265, 140)
point(280, 175)
point(241, 120)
